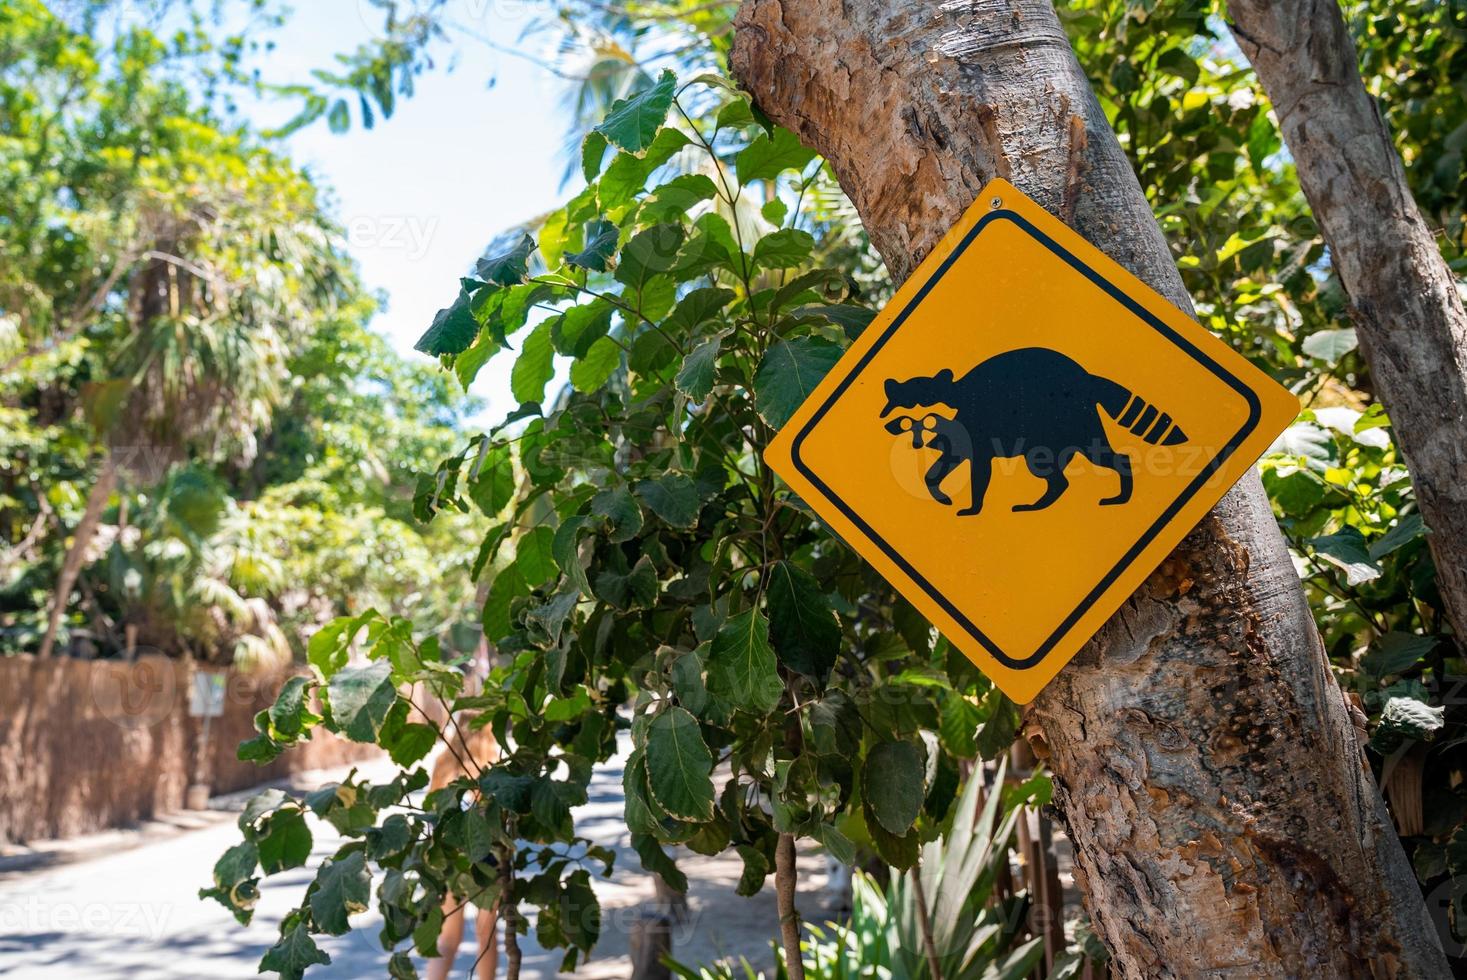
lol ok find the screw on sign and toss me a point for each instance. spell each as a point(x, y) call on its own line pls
point(1022, 435)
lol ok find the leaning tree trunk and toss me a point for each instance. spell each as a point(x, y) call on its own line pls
point(81, 540)
point(1225, 820)
point(1403, 298)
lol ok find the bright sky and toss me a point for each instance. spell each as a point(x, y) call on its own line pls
point(460, 161)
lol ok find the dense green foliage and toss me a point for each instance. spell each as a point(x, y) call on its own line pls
point(642, 550)
point(175, 305)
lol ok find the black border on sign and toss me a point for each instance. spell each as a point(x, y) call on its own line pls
point(1255, 412)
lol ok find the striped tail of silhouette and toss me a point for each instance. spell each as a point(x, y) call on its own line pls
point(1135, 414)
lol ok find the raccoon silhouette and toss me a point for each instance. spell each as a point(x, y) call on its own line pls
point(1035, 403)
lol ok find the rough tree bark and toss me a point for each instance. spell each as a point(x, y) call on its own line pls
point(1404, 300)
point(1225, 820)
point(786, 880)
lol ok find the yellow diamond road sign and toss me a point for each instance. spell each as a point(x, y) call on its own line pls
point(1022, 435)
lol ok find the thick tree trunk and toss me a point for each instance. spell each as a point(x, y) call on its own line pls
point(1225, 820)
point(81, 540)
point(1404, 300)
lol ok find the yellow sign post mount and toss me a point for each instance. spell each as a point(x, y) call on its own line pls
point(1022, 435)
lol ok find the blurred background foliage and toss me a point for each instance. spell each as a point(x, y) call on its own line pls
point(181, 326)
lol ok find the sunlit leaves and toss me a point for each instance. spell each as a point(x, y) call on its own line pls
point(453, 329)
point(295, 951)
point(359, 699)
point(766, 157)
point(633, 122)
point(508, 265)
point(590, 372)
point(534, 367)
point(342, 889)
point(600, 237)
point(783, 249)
point(493, 485)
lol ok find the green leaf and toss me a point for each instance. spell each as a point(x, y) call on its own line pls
point(852, 319)
point(688, 681)
point(290, 714)
point(672, 497)
point(360, 698)
point(636, 589)
point(1346, 550)
point(621, 511)
point(679, 765)
point(589, 373)
point(741, 666)
point(534, 367)
point(783, 249)
point(1407, 529)
point(565, 548)
point(892, 780)
point(837, 843)
point(235, 885)
point(698, 307)
point(285, 841)
point(649, 253)
point(343, 888)
point(453, 329)
point(1397, 652)
point(1410, 717)
point(775, 211)
point(601, 238)
point(579, 327)
point(593, 151)
point(550, 617)
point(695, 378)
point(426, 933)
point(633, 122)
point(492, 487)
point(535, 556)
point(655, 859)
point(507, 586)
point(734, 114)
point(290, 957)
point(413, 743)
point(507, 266)
point(580, 912)
point(756, 869)
point(677, 197)
point(958, 726)
point(1002, 725)
point(1331, 346)
point(765, 158)
point(788, 373)
point(802, 625)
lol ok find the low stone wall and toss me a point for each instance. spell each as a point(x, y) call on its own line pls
point(91, 744)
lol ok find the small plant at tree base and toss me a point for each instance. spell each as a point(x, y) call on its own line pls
point(640, 552)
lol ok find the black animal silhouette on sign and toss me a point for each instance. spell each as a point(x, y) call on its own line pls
point(1033, 403)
